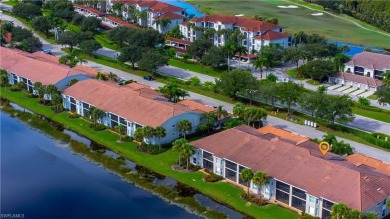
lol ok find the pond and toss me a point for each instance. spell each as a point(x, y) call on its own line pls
point(42, 178)
point(189, 9)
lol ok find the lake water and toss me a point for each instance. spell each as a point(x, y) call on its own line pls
point(41, 178)
point(190, 9)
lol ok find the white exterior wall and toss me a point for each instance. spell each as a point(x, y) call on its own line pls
point(380, 209)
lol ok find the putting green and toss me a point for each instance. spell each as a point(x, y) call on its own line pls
point(298, 19)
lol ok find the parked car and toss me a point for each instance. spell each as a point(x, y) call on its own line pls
point(120, 80)
point(47, 51)
point(149, 78)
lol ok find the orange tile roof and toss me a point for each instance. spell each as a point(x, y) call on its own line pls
point(370, 60)
point(170, 16)
point(283, 134)
point(140, 106)
point(272, 35)
point(378, 165)
point(194, 105)
point(121, 22)
point(89, 9)
point(248, 24)
point(36, 67)
point(164, 7)
point(176, 40)
point(334, 180)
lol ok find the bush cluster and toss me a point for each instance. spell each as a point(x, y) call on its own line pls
point(97, 126)
point(253, 199)
point(212, 177)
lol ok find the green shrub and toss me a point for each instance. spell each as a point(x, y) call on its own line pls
point(127, 138)
point(97, 126)
point(212, 177)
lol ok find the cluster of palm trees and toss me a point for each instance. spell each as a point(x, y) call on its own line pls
point(48, 93)
point(149, 132)
point(249, 114)
point(163, 23)
point(185, 151)
point(260, 179)
point(211, 117)
point(173, 92)
point(72, 59)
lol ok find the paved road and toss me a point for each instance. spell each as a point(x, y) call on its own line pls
point(302, 130)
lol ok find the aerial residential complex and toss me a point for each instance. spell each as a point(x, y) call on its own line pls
point(256, 33)
point(368, 64)
point(132, 106)
point(39, 67)
point(300, 176)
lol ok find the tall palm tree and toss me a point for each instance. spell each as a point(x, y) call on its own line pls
point(246, 176)
point(221, 112)
point(148, 132)
point(241, 50)
point(259, 64)
point(184, 126)
point(238, 110)
point(186, 150)
point(299, 37)
point(50, 90)
point(56, 101)
point(121, 131)
point(163, 23)
point(210, 120)
point(95, 114)
point(230, 49)
point(339, 211)
point(138, 134)
point(258, 115)
point(160, 132)
point(177, 145)
point(260, 179)
point(39, 89)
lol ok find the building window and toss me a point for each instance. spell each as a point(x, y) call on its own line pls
point(231, 165)
point(282, 187)
point(208, 165)
point(207, 156)
point(298, 203)
point(325, 214)
point(299, 193)
point(327, 204)
point(173, 126)
point(282, 197)
point(173, 134)
point(230, 174)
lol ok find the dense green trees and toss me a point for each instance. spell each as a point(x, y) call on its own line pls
point(249, 114)
point(138, 37)
point(26, 11)
point(151, 60)
point(198, 48)
point(43, 24)
point(341, 211)
point(338, 147)
point(72, 38)
point(24, 39)
point(90, 23)
point(90, 46)
point(376, 13)
point(131, 54)
point(185, 150)
point(236, 81)
point(383, 92)
point(215, 57)
point(288, 93)
point(317, 69)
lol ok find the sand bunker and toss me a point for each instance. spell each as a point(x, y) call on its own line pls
point(317, 14)
point(290, 6)
point(239, 15)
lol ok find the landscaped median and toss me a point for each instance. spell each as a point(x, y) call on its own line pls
point(220, 191)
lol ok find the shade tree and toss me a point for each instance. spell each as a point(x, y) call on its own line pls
point(288, 93)
point(235, 82)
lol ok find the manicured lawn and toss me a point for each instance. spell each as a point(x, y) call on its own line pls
point(195, 67)
point(313, 82)
point(105, 42)
point(11, 2)
point(381, 116)
point(293, 73)
point(372, 97)
point(298, 19)
point(222, 192)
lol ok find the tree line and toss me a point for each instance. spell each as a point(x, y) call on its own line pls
point(376, 13)
point(21, 38)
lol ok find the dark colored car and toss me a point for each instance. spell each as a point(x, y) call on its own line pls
point(149, 78)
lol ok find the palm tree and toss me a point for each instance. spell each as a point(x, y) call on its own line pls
point(258, 115)
point(210, 119)
point(221, 112)
point(260, 179)
point(112, 76)
point(299, 37)
point(148, 132)
point(95, 114)
point(177, 145)
point(259, 64)
point(138, 134)
point(269, 61)
point(229, 48)
point(160, 132)
point(238, 110)
point(241, 50)
point(163, 23)
point(246, 176)
point(184, 126)
point(186, 150)
point(56, 101)
point(39, 89)
point(50, 90)
point(339, 211)
point(121, 131)
point(81, 60)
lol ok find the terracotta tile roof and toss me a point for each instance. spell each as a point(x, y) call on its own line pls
point(358, 78)
point(91, 10)
point(283, 134)
point(140, 106)
point(337, 181)
point(36, 67)
point(370, 60)
point(184, 23)
point(146, 3)
point(170, 16)
point(378, 165)
point(176, 40)
point(248, 24)
point(194, 105)
point(164, 7)
point(8, 37)
point(272, 35)
point(121, 22)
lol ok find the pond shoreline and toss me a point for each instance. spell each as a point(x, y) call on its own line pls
point(190, 204)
